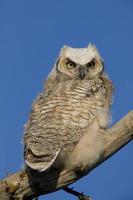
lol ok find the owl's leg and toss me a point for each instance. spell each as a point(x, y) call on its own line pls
point(81, 196)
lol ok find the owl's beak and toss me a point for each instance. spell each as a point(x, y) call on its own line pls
point(81, 72)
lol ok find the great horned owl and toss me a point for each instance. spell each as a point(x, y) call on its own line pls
point(64, 128)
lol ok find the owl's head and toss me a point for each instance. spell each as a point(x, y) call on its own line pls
point(75, 64)
point(79, 63)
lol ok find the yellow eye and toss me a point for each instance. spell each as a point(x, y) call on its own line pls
point(70, 64)
point(91, 64)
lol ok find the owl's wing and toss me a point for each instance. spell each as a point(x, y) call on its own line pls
point(41, 146)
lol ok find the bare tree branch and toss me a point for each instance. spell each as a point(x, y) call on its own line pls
point(18, 186)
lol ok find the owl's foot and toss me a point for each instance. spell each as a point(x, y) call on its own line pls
point(81, 196)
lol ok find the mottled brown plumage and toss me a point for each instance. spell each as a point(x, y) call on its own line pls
point(68, 116)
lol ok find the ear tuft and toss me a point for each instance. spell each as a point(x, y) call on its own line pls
point(92, 46)
point(64, 47)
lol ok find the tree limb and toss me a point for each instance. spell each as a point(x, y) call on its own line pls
point(18, 186)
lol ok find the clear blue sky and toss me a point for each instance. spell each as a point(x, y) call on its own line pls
point(31, 34)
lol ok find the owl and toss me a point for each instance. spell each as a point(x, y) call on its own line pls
point(64, 130)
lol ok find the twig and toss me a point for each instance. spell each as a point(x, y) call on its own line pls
point(81, 196)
